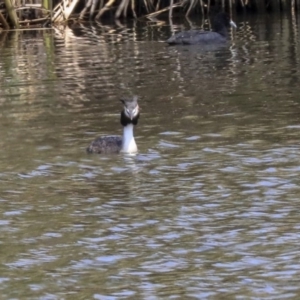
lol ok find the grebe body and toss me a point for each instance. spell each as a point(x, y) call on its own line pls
point(126, 143)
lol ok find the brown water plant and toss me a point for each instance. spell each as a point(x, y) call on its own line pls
point(96, 9)
point(134, 8)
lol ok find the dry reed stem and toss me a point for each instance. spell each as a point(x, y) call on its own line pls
point(68, 8)
point(3, 21)
point(125, 9)
point(122, 7)
point(56, 12)
point(171, 9)
point(133, 9)
point(101, 4)
point(93, 8)
point(106, 7)
point(157, 5)
point(33, 21)
point(202, 7)
point(87, 6)
point(192, 3)
point(146, 5)
point(11, 13)
point(156, 13)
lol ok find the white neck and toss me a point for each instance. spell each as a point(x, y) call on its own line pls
point(128, 142)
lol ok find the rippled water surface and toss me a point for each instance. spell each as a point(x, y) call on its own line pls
point(208, 209)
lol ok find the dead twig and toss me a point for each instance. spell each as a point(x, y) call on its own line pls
point(156, 13)
point(106, 7)
point(33, 21)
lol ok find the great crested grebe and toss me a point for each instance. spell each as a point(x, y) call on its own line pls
point(115, 144)
point(218, 35)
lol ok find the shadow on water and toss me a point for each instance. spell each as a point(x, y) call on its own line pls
point(206, 209)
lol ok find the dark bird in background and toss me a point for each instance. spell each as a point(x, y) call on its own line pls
point(218, 35)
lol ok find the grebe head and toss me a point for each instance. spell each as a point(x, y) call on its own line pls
point(221, 21)
point(130, 113)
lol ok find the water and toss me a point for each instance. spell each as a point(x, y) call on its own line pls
point(209, 206)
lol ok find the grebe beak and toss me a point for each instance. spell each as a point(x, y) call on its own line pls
point(233, 24)
point(132, 114)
